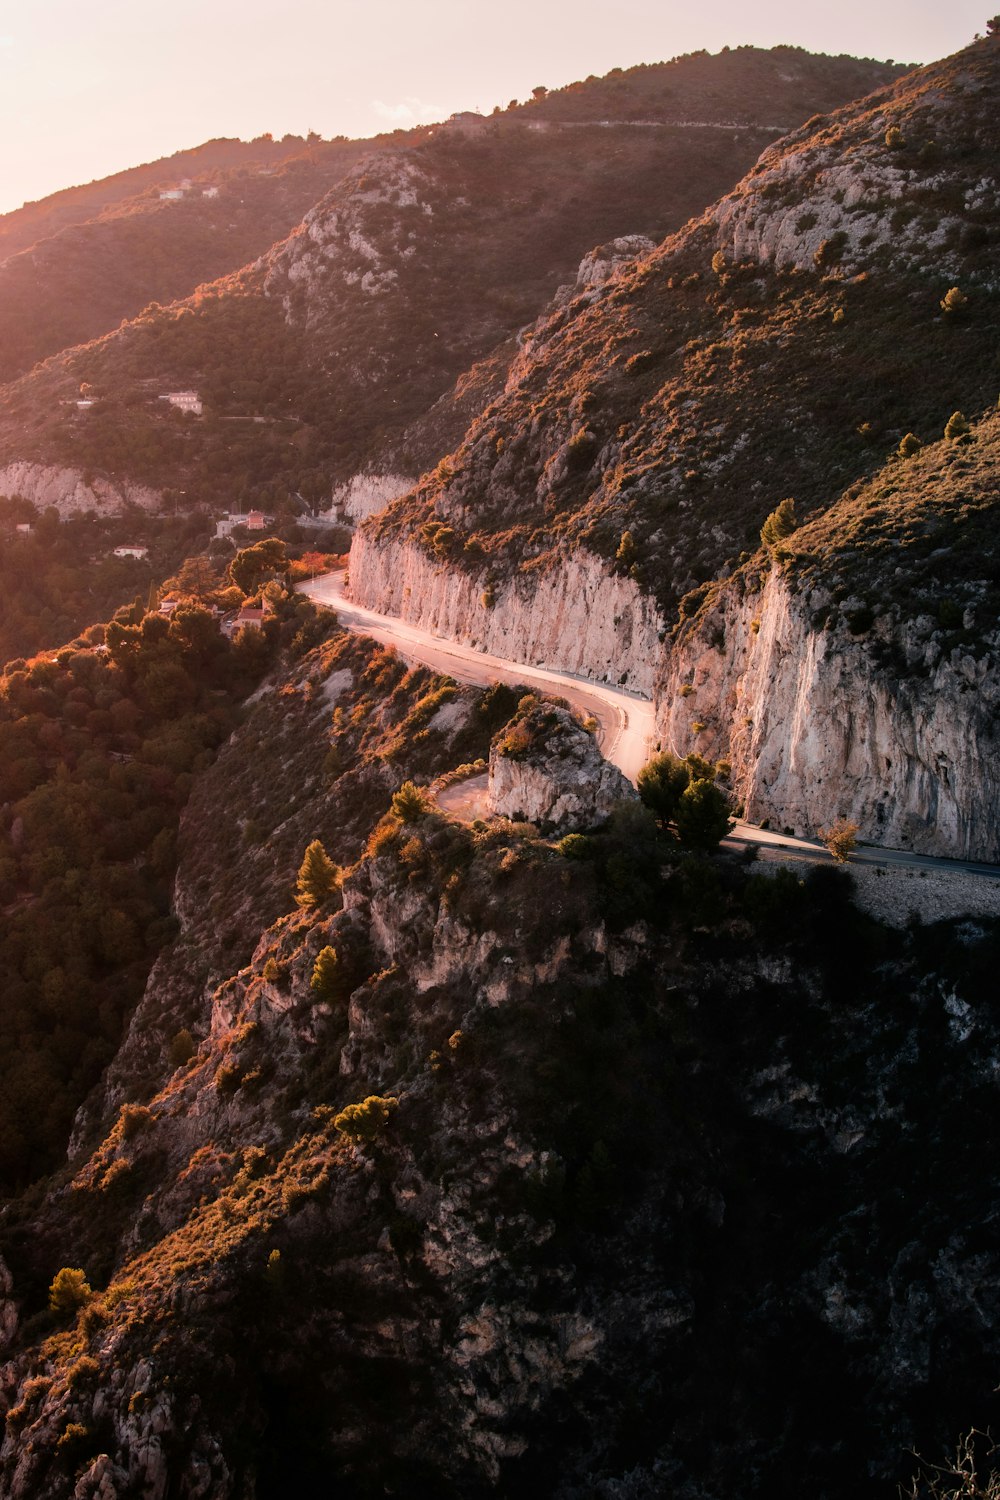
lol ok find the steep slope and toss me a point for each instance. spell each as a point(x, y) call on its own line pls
point(859, 671)
point(642, 1142)
point(86, 277)
point(776, 348)
point(420, 264)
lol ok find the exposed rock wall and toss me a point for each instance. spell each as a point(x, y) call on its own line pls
point(69, 491)
point(574, 615)
point(365, 495)
point(815, 728)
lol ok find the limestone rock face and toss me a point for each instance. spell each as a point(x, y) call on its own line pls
point(69, 492)
point(338, 243)
point(559, 780)
point(574, 615)
point(365, 495)
point(604, 262)
point(815, 729)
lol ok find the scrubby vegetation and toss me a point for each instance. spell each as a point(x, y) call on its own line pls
point(755, 384)
point(348, 372)
point(99, 745)
point(610, 1165)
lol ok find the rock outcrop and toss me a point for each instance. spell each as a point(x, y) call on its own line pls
point(70, 492)
point(570, 612)
point(546, 768)
point(365, 495)
point(604, 262)
point(815, 727)
point(837, 190)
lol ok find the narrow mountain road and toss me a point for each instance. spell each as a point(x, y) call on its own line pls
point(625, 722)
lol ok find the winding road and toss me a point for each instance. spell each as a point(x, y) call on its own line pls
point(625, 720)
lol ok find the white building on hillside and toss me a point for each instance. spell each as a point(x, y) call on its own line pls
point(185, 401)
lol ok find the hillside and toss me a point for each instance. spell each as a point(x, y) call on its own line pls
point(781, 346)
point(82, 278)
point(394, 1099)
point(33, 222)
point(397, 282)
point(647, 1138)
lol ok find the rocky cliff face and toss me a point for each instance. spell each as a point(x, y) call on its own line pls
point(364, 495)
point(568, 611)
point(611, 1173)
point(847, 182)
point(817, 726)
point(782, 345)
point(70, 492)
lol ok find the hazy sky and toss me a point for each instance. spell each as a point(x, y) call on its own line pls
point(88, 87)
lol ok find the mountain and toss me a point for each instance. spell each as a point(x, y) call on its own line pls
point(103, 253)
point(505, 1163)
point(841, 299)
point(351, 1146)
point(418, 265)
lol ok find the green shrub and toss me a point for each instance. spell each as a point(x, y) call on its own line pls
point(840, 838)
point(84, 1372)
point(627, 552)
point(661, 783)
point(954, 302)
point(779, 524)
point(364, 1121)
point(909, 445)
point(956, 426)
point(702, 815)
point(181, 1049)
point(134, 1119)
point(327, 980)
point(70, 1290)
point(575, 846)
point(831, 251)
point(411, 803)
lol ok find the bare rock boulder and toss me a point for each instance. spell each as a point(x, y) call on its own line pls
point(545, 768)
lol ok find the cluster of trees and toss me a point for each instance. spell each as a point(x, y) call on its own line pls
point(685, 799)
point(98, 751)
point(62, 575)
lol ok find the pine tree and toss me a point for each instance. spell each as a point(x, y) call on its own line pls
point(318, 876)
point(70, 1290)
point(702, 816)
point(661, 783)
point(841, 839)
point(410, 804)
point(779, 524)
point(327, 975)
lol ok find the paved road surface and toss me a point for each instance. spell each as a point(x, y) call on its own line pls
point(625, 720)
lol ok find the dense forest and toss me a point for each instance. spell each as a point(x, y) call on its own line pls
point(98, 747)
